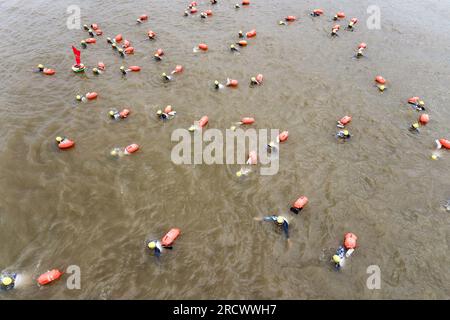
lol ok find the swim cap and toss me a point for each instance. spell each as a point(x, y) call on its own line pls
point(78, 97)
point(421, 103)
point(164, 74)
point(239, 173)
point(83, 42)
point(191, 128)
point(434, 157)
point(114, 152)
point(415, 125)
point(95, 70)
point(152, 245)
point(253, 79)
point(6, 281)
point(159, 112)
point(59, 139)
point(280, 220)
point(122, 68)
point(40, 66)
point(120, 50)
point(336, 259)
point(216, 82)
point(345, 132)
point(111, 113)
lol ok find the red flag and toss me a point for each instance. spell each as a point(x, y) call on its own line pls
point(77, 54)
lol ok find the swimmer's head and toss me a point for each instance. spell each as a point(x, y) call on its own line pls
point(336, 259)
point(280, 220)
point(6, 281)
point(40, 67)
point(152, 245)
point(59, 139)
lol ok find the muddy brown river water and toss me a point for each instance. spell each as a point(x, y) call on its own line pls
point(81, 207)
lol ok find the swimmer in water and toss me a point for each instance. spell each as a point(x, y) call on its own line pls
point(166, 115)
point(233, 48)
point(7, 281)
point(414, 128)
point(166, 77)
point(218, 85)
point(343, 134)
point(280, 221)
point(155, 247)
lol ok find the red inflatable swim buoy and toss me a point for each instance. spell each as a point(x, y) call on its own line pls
point(159, 52)
point(290, 18)
point(49, 277)
point(129, 50)
point(317, 12)
point(203, 46)
point(194, 10)
point(98, 32)
point(299, 204)
point(168, 109)
point(203, 121)
point(344, 121)
point(94, 26)
point(247, 120)
point(91, 95)
point(362, 45)
point(151, 34)
point(118, 38)
point(251, 33)
point(380, 80)
point(252, 158)
point(143, 17)
point(232, 83)
point(246, 2)
point(209, 12)
point(340, 15)
point(443, 143)
point(259, 78)
point(350, 241)
point(178, 69)
point(64, 143)
point(48, 72)
point(126, 43)
point(414, 100)
point(132, 148)
point(134, 68)
point(101, 66)
point(282, 137)
point(170, 237)
point(424, 119)
point(242, 43)
point(90, 40)
point(124, 113)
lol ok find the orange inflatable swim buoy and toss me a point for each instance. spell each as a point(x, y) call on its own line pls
point(290, 18)
point(178, 69)
point(259, 78)
point(118, 38)
point(246, 2)
point(362, 45)
point(282, 137)
point(159, 52)
point(170, 237)
point(143, 17)
point(340, 15)
point(251, 33)
point(168, 109)
point(232, 83)
point(203, 121)
point(129, 50)
point(299, 204)
point(209, 12)
point(91, 95)
point(49, 277)
point(203, 46)
point(252, 158)
point(424, 119)
point(247, 120)
point(64, 143)
point(94, 26)
point(443, 143)
point(151, 34)
point(353, 21)
point(344, 121)
point(413, 100)
point(350, 241)
point(194, 10)
point(242, 43)
point(380, 80)
point(126, 43)
point(132, 148)
point(90, 40)
point(317, 12)
point(98, 32)
point(101, 66)
point(134, 68)
point(48, 72)
point(124, 113)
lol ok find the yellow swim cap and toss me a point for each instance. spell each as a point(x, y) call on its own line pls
point(216, 82)
point(239, 173)
point(59, 139)
point(111, 113)
point(152, 245)
point(336, 259)
point(415, 125)
point(95, 70)
point(122, 67)
point(280, 220)
point(78, 97)
point(83, 42)
point(421, 102)
point(345, 132)
point(191, 128)
point(164, 74)
point(159, 112)
point(6, 281)
point(114, 153)
point(233, 128)
point(40, 66)
point(120, 50)
point(253, 79)
point(381, 87)
point(434, 157)
point(232, 46)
